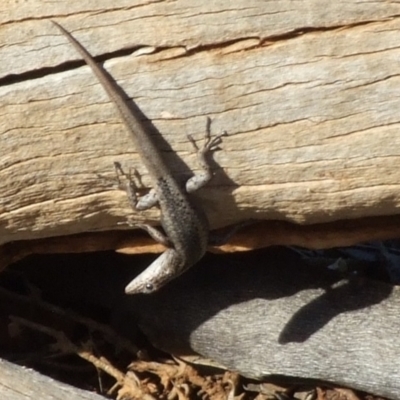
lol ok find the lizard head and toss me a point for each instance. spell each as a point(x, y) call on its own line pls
point(165, 268)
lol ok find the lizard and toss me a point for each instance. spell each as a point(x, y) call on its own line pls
point(186, 227)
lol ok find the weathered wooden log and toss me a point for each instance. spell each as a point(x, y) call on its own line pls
point(307, 92)
point(281, 321)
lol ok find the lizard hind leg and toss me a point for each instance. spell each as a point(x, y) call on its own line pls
point(141, 204)
point(210, 144)
point(131, 188)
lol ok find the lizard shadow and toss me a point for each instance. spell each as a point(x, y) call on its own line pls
point(179, 169)
point(254, 291)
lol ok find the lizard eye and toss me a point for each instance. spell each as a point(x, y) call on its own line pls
point(149, 287)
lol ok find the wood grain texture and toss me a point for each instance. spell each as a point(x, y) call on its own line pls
point(19, 383)
point(308, 92)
